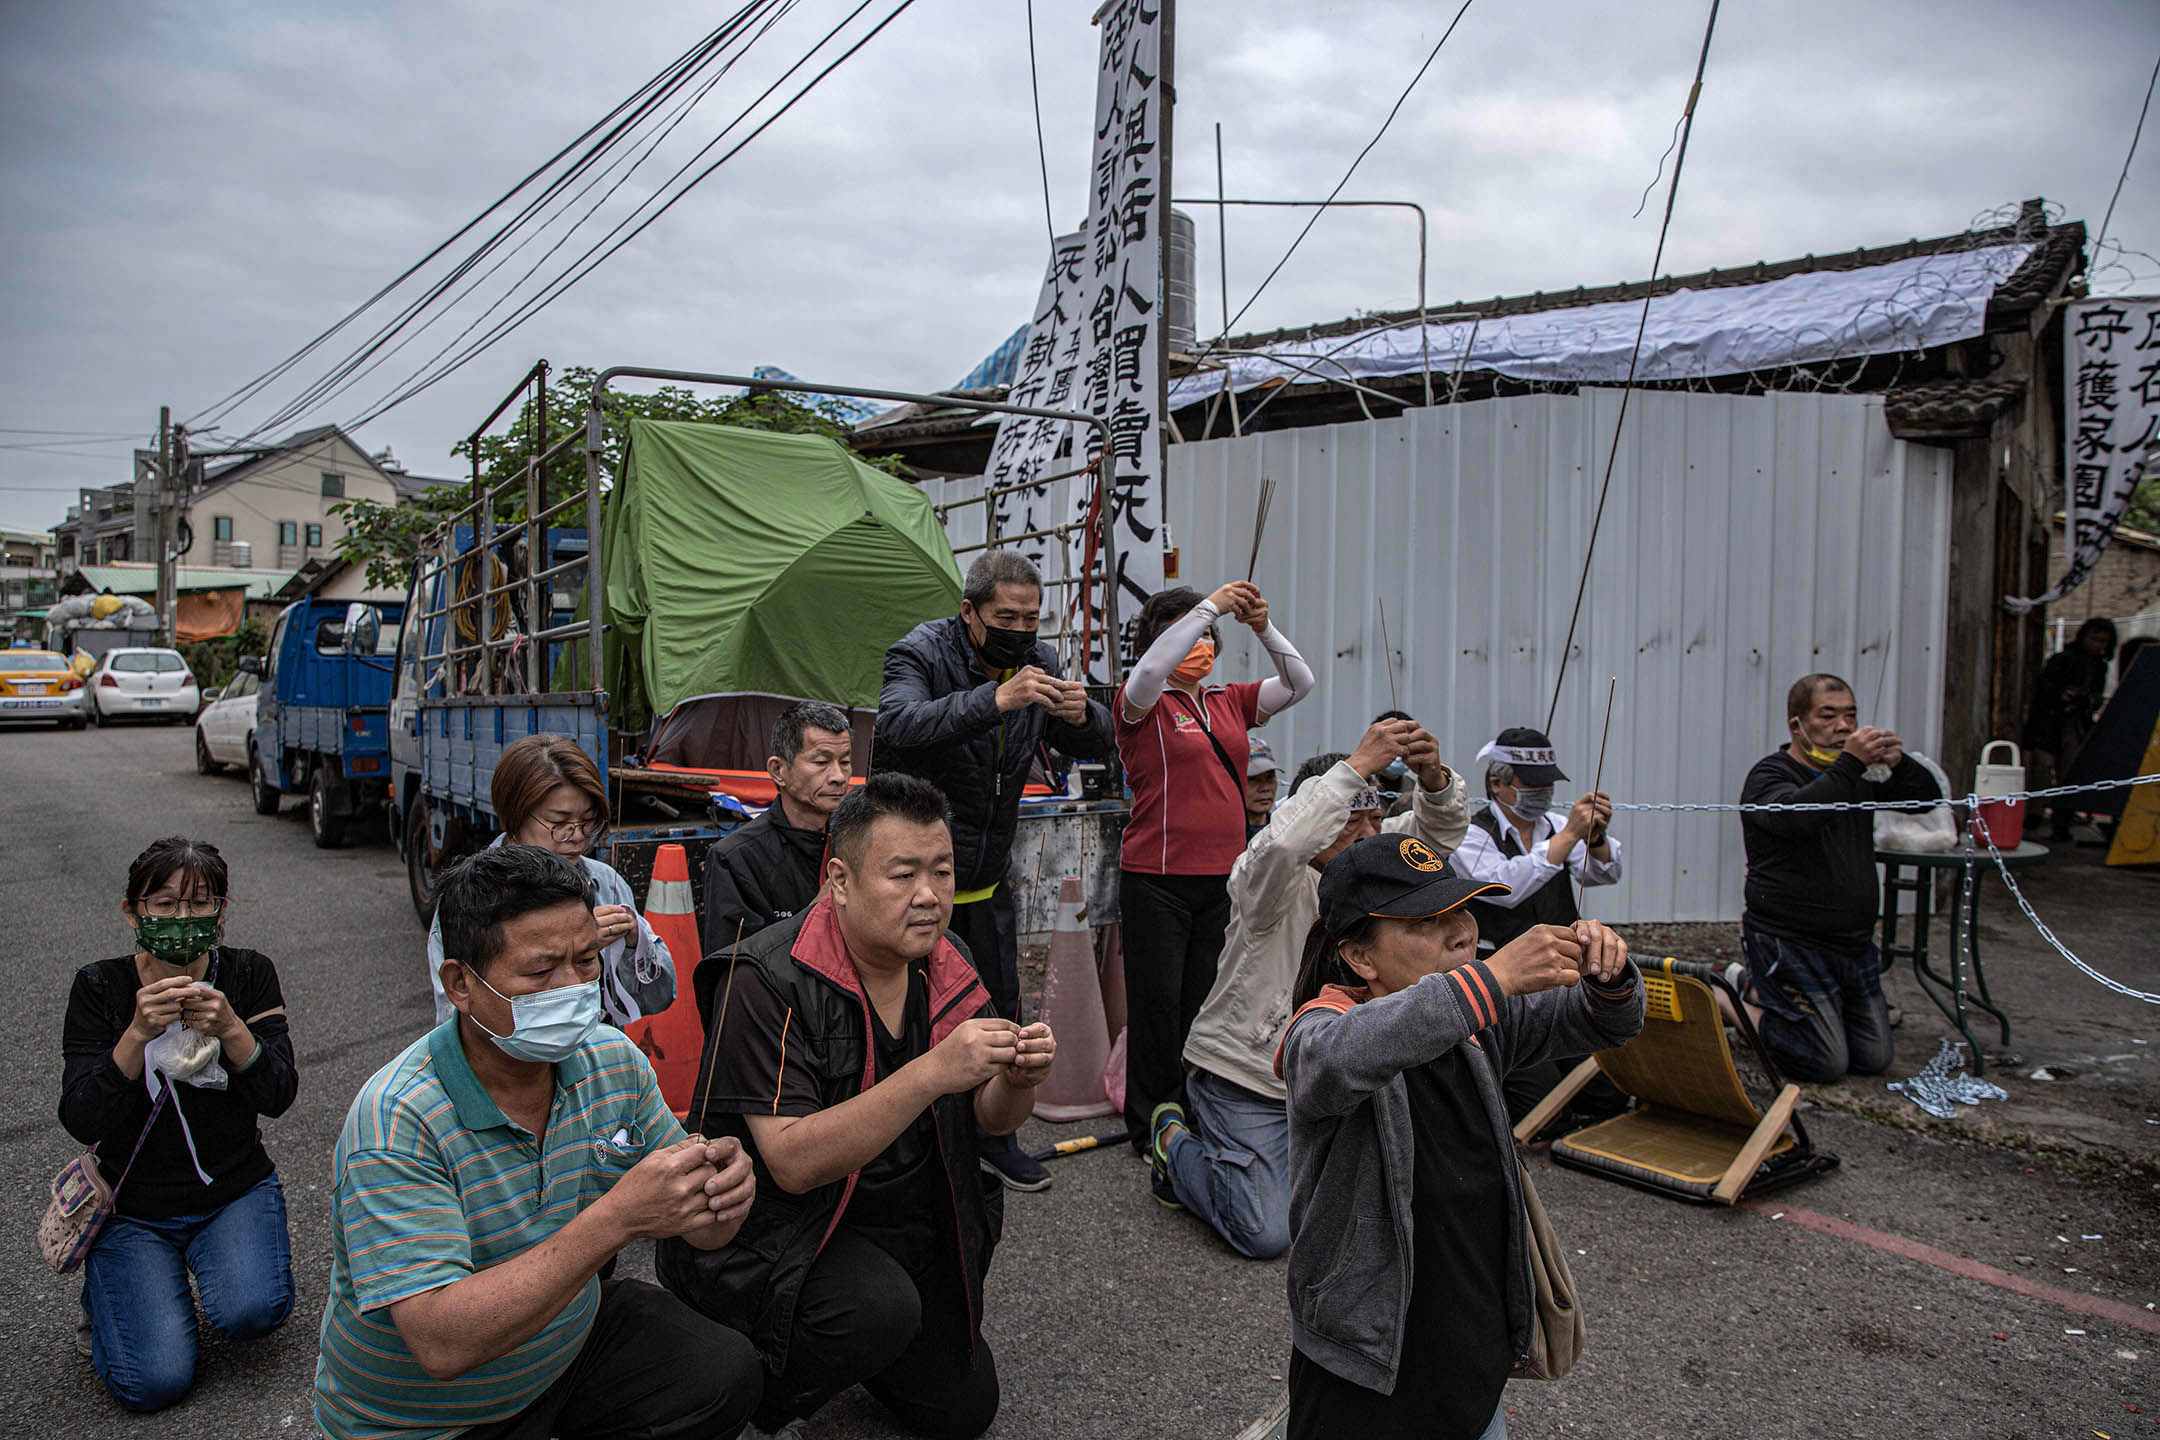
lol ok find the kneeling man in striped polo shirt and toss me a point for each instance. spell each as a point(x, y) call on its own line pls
point(858, 1056)
point(486, 1176)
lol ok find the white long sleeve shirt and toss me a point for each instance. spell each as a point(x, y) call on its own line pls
point(1274, 899)
point(1479, 858)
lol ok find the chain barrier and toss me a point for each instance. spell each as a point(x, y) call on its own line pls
point(1765, 807)
point(2041, 925)
point(1970, 804)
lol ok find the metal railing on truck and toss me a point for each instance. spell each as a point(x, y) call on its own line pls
point(466, 593)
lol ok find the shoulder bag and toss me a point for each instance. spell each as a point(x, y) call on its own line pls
point(1556, 1320)
point(82, 1202)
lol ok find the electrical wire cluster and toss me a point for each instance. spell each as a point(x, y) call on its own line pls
point(550, 230)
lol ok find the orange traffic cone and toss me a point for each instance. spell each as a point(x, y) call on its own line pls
point(674, 1039)
point(1072, 1007)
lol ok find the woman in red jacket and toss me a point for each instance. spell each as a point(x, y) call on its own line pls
point(1182, 743)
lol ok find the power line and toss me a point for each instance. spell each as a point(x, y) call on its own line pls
point(1672, 191)
point(668, 77)
point(599, 256)
point(2134, 134)
point(512, 289)
point(639, 107)
point(1393, 111)
point(1042, 153)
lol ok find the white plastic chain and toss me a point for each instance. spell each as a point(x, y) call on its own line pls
point(1963, 801)
point(1971, 805)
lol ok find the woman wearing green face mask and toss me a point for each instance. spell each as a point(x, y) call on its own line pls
point(179, 1048)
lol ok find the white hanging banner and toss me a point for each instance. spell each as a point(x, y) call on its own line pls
point(1027, 446)
point(1121, 299)
point(2111, 381)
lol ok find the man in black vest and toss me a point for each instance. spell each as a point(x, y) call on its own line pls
point(856, 1059)
point(771, 868)
point(1514, 841)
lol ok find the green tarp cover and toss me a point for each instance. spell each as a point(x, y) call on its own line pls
point(745, 560)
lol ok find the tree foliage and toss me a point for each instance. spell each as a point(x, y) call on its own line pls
point(387, 538)
point(215, 662)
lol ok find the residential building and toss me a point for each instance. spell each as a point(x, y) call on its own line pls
point(28, 570)
point(269, 508)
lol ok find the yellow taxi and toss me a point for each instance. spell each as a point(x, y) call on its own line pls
point(39, 685)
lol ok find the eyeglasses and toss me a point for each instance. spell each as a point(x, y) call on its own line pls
point(570, 830)
point(164, 907)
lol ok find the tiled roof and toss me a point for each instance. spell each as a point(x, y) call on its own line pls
point(1953, 408)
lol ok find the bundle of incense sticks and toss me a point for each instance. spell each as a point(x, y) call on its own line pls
point(1259, 525)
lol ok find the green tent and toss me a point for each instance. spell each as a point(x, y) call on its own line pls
point(741, 560)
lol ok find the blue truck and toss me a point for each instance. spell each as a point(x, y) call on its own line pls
point(504, 639)
point(322, 719)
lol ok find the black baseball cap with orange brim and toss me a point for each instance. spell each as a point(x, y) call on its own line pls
point(1398, 877)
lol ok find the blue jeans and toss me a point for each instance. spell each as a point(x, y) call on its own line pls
point(1231, 1164)
point(1824, 1013)
point(135, 1291)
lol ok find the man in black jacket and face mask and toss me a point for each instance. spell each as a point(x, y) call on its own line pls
point(771, 868)
point(967, 702)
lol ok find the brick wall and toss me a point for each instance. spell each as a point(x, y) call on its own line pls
point(2125, 583)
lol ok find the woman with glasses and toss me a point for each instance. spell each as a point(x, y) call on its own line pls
point(547, 792)
point(173, 1053)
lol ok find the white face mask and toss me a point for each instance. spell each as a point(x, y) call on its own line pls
point(1531, 802)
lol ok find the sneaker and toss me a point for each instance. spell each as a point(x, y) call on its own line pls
point(82, 1338)
point(1020, 1171)
point(1167, 1115)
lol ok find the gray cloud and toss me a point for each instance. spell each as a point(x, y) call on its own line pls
point(191, 191)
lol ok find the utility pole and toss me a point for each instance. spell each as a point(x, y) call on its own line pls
point(168, 529)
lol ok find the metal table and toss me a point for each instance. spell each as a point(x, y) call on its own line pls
point(1912, 872)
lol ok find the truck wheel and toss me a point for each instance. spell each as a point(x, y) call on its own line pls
point(204, 765)
point(328, 829)
point(421, 861)
point(266, 797)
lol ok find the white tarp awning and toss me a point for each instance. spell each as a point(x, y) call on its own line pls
point(1804, 319)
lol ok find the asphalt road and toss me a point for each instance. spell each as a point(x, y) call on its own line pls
point(1110, 1316)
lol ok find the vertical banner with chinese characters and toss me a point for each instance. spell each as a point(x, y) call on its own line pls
point(1121, 300)
point(1027, 447)
point(2111, 381)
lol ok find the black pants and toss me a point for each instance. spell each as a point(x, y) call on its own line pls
point(651, 1369)
point(992, 935)
point(1173, 932)
point(864, 1319)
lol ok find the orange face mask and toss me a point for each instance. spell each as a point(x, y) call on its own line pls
point(1198, 663)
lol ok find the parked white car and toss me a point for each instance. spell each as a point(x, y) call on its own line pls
point(142, 684)
point(226, 725)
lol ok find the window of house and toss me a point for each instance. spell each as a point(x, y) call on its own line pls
point(333, 486)
point(221, 527)
point(314, 537)
point(288, 532)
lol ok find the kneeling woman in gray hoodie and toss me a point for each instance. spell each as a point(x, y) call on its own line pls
point(1410, 1290)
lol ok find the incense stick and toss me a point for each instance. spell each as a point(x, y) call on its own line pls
point(1582, 890)
point(712, 1041)
point(1259, 524)
point(1387, 653)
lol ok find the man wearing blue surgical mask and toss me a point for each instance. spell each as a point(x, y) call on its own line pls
point(490, 1172)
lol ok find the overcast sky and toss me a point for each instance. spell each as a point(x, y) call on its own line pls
point(192, 191)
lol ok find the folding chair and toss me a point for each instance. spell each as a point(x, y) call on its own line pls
point(1694, 1132)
